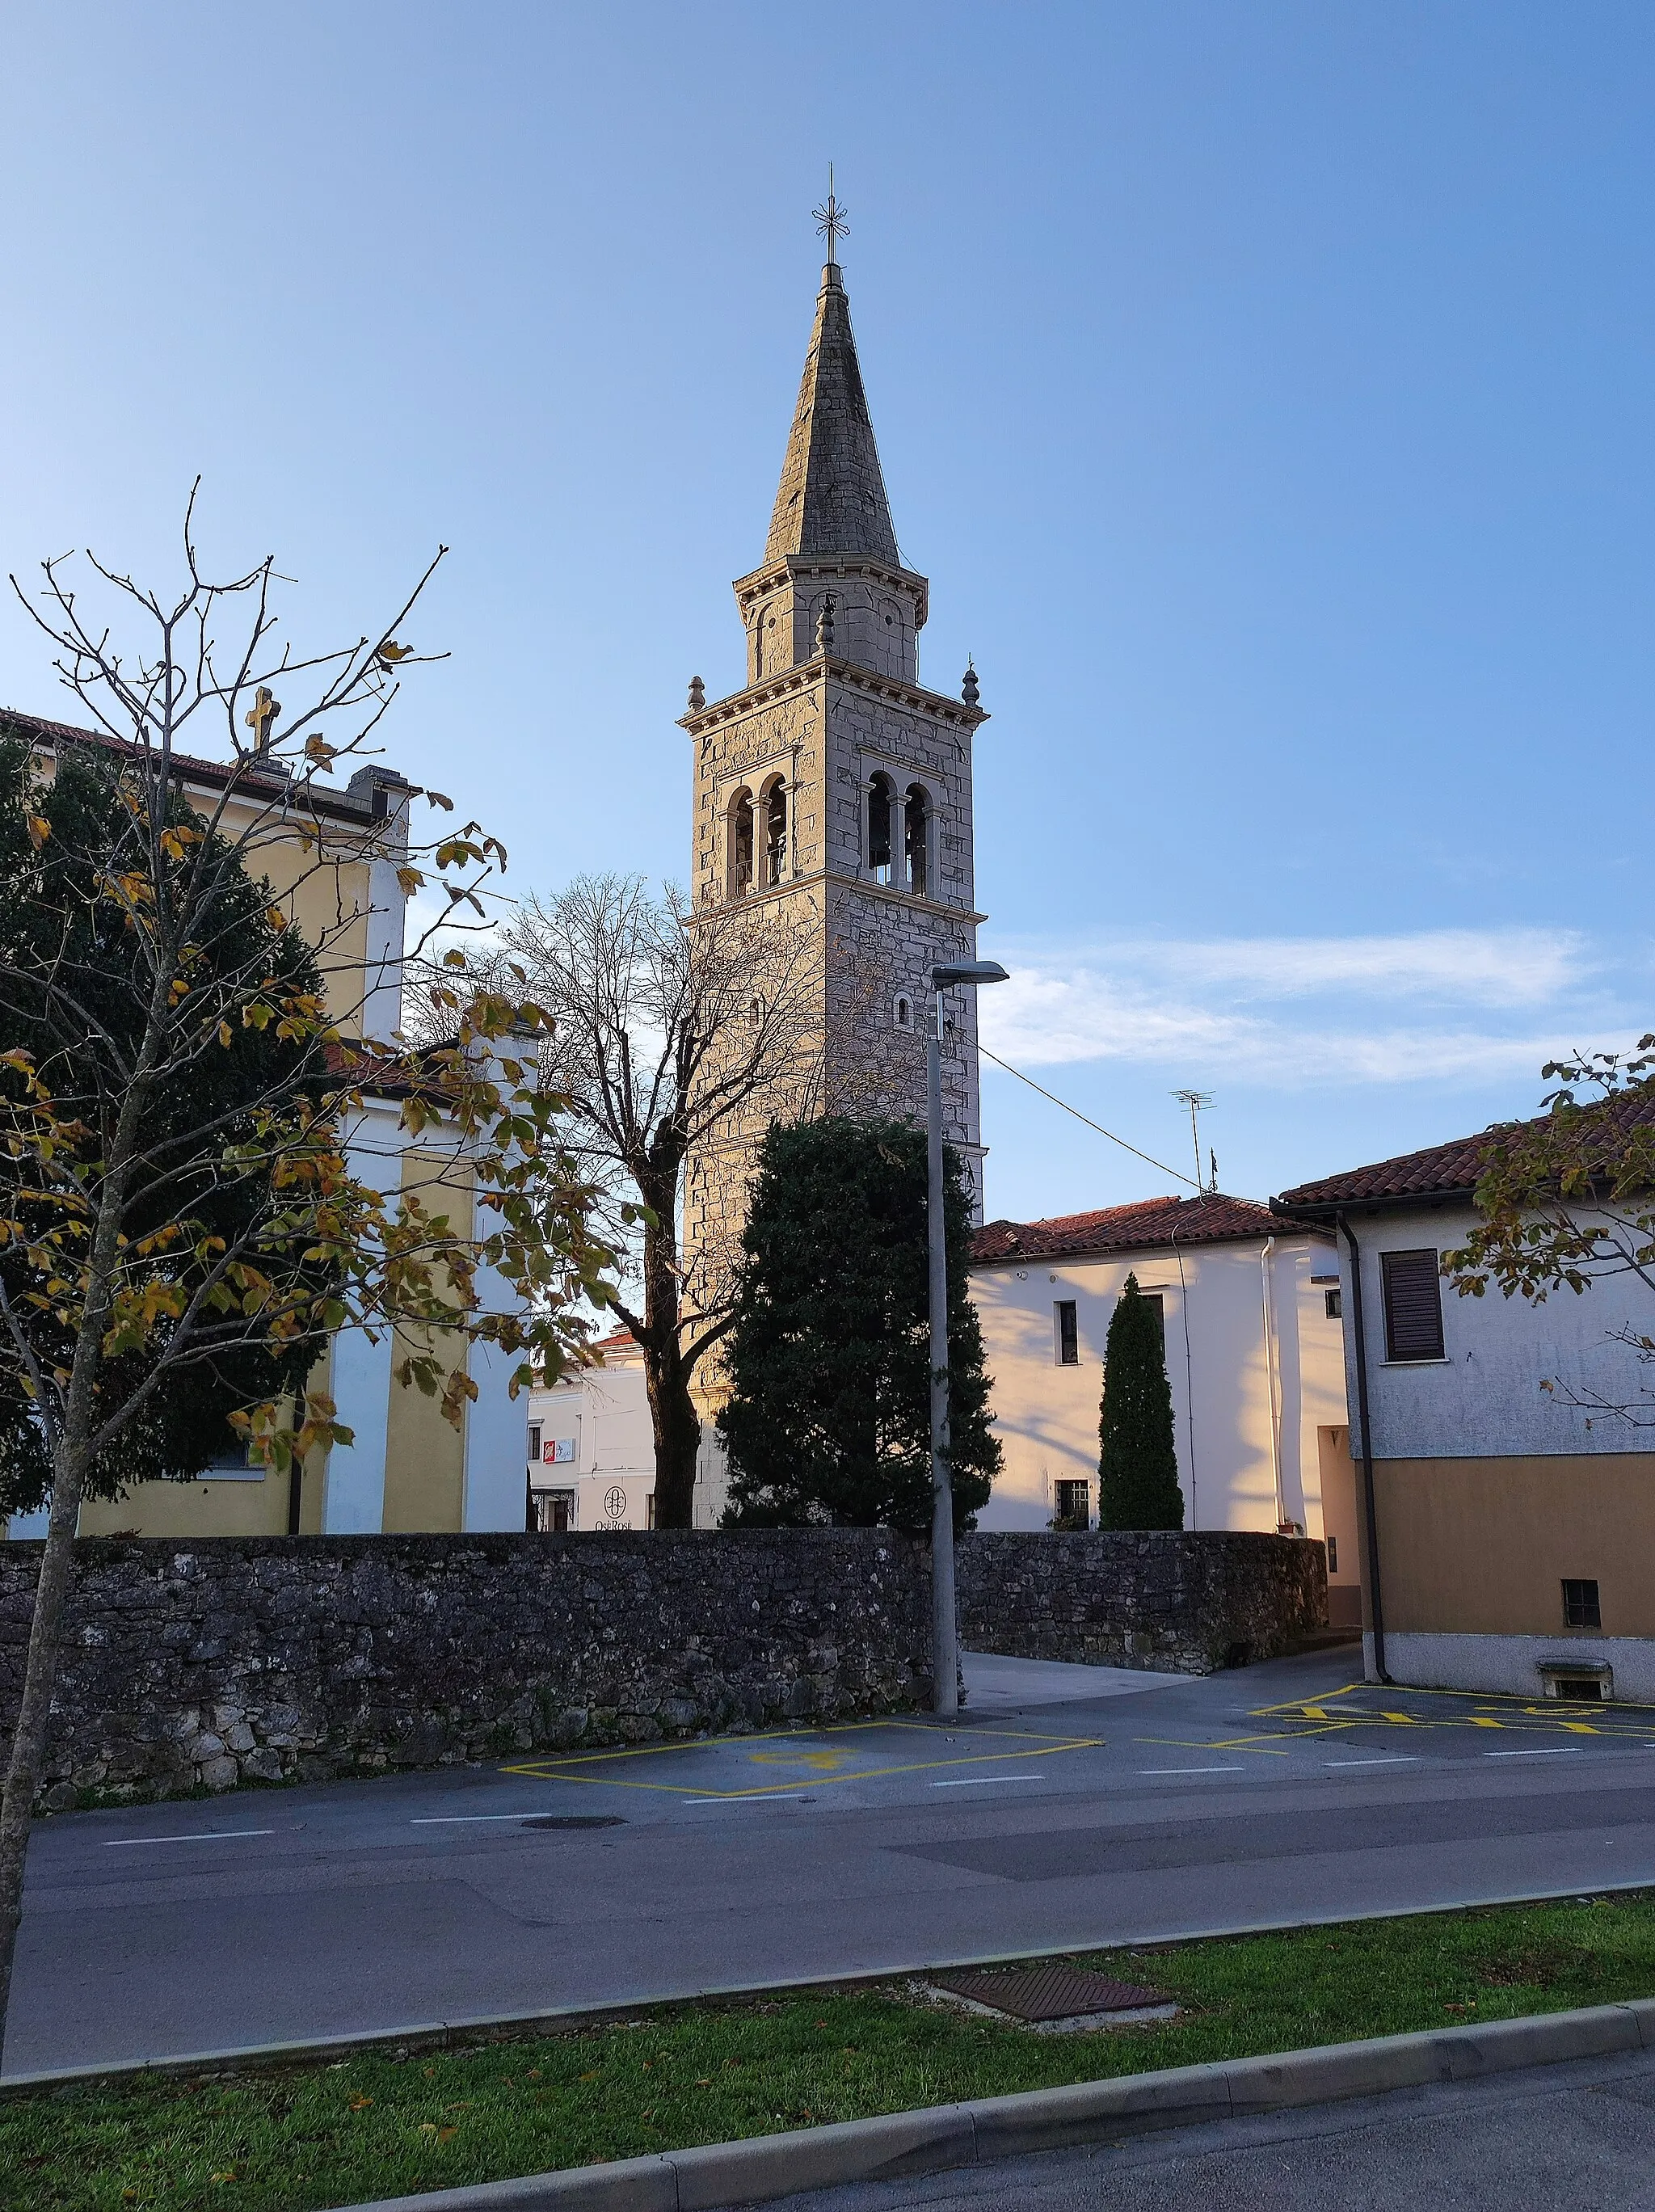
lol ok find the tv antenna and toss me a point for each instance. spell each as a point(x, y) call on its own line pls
point(1197, 1101)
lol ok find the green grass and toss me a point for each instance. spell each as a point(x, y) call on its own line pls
point(299, 2139)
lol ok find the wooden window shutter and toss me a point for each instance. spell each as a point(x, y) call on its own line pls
point(1413, 1305)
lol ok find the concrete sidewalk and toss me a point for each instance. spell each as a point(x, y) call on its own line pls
point(994, 1685)
point(1575, 2138)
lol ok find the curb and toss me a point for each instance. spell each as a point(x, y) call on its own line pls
point(902, 2144)
point(571, 2019)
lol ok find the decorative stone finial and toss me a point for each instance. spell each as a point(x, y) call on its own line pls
point(968, 688)
point(697, 694)
point(825, 629)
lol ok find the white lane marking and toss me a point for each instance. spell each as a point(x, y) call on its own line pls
point(786, 1797)
point(1540, 1751)
point(205, 1836)
point(1400, 1759)
point(971, 1781)
point(454, 1819)
point(1192, 1770)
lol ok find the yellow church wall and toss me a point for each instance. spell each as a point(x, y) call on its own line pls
point(425, 1453)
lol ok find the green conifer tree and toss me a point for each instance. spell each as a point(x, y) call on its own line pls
point(1138, 1465)
point(828, 1419)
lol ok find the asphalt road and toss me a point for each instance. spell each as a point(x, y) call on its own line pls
point(1072, 1806)
point(1578, 2138)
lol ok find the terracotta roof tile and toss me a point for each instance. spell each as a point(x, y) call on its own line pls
point(314, 797)
point(1212, 1218)
point(1439, 1171)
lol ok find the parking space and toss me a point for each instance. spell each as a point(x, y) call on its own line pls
point(866, 1761)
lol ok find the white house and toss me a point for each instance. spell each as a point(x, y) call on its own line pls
point(1508, 1536)
point(1250, 1310)
point(591, 1449)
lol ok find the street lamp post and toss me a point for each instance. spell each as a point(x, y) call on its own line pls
point(945, 1652)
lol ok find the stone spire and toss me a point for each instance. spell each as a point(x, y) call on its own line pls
point(831, 495)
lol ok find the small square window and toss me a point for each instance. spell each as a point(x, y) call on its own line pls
point(1069, 1334)
point(1071, 1505)
point(1580, 1606)
point(1334, 1303)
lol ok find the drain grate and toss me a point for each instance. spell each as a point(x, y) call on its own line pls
point(576, 1821)
point(1037, 1993)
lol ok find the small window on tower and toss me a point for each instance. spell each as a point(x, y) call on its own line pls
point(902, 1011)
point(775, 833)
point(741, 845)
point(880, 798)
point(915, 813)
point(1334, 1305)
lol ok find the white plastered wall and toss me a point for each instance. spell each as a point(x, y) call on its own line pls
point(1233, 1447)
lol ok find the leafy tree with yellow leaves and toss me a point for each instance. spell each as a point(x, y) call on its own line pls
point(183, 1222)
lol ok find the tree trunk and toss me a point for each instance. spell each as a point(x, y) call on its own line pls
point(28, 1747)
point(673, 1418)
point(677, 1440)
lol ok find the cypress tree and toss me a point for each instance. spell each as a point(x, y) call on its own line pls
point(1138, 1465)
point(828, 1419)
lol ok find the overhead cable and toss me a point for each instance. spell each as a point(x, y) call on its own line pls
point(1087, 1118)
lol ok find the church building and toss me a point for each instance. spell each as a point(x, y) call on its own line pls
point(835, 788)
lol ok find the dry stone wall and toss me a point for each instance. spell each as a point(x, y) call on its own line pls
point(1188, 1603)
point(268, 1659)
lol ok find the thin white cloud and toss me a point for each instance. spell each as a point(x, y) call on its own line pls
point(1236, 1007)
point(1490, 968)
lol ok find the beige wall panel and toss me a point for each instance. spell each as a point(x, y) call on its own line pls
point(1482, 1546)
point(425, 1454)
point(192, 1509)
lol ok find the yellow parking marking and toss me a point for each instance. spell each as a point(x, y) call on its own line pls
point(835, 1769)
point(1439, 1709)
point(820, 1762)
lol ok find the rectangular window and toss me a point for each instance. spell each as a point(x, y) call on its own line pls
point(1413, 1305)
point(1071, 1505)
point(1069, 1334)
point(1580, 1606)
point(1333, 1555)
point(1334, 1303)
point(534, 1442)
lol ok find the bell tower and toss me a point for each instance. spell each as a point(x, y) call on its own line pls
point(834, 781)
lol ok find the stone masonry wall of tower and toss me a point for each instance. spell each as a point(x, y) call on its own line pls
point(875, 771)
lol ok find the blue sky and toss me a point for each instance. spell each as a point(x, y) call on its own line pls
point(1264, 388)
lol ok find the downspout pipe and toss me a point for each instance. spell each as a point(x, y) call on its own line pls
point(1370, 1518)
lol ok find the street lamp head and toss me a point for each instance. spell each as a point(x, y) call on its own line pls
point(968, 971)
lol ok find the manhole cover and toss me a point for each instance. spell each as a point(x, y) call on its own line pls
point(576, 1821)
point(1049, 1992)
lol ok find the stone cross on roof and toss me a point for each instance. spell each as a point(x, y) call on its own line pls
point(260, 715)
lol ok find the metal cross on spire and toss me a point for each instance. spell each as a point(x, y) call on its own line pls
point(830, 219)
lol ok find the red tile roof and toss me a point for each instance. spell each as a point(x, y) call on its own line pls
point(1447, 1171)
point(315, 798)
point(1212, 1218)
